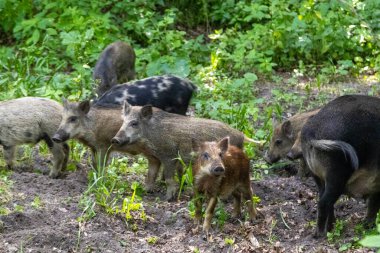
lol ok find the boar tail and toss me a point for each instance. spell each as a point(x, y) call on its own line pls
point(246, 139)
point(348, 150)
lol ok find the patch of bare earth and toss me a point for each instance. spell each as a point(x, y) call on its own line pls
point(288, 208)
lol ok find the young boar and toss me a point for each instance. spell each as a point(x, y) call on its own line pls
point(95, 126)
point(169, 93)
point(30, 120)
point(116, 64)
point(285, 140)
point(167, 135)
point(221, 170)
point(341, 147)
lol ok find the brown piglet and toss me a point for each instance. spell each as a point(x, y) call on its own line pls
point(221, 170)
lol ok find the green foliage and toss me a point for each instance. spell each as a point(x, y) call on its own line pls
point(336, 233)
point(187, 178)
point(108, 189)
point(36, 203)
point(372, 240)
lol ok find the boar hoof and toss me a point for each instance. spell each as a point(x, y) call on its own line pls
point(170, 197)
point(149, 188)
point(171, 194)
point(53, 174)
point(319, 234)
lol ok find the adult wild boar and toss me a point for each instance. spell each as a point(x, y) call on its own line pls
point(30, 120)
point(221, 170)
point(341, 147)
point(286, 142)
point(95, 126)
point(169, 93)
point(116, 64)
point(167, 136)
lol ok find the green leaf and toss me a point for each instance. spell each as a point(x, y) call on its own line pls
point(371, 241)
point(51, 31)
point(35, 37)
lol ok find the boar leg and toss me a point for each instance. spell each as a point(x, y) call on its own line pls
point(170, 167)
point(209, 213)
point(373, 206)
point(59, 159)
point(153, 169)
point(334, 188)
point(66, 149)
point(247, 196)
point(198, 207)
point(237, 201)
point(9, 153)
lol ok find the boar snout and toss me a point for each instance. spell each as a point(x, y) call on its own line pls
point(60, 136)
point(119, 141)
point(270, 158)
point(217, 171)
point(290, 155)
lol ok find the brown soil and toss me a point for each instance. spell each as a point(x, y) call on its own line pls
point(288, 208)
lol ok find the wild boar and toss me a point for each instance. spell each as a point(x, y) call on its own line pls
point(167, 136)
point(221, 170)
point(116, 64)
point(169, 93)
point(285, 142)
point(341, 147)
point(94, 127)
point(30, 120)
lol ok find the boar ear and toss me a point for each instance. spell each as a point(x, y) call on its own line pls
point(84, 106)
point(287, 129)
point(146, 112)
point(224, 143)
point(126, 108)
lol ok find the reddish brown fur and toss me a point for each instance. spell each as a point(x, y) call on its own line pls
point(235, 180)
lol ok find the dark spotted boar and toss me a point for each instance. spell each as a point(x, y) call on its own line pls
point(169, 93)
point(30, 120)
point(341, 147)
point(285, 142)
point(115, 65)
point(95, 126)
point(167, 135)
point(221, 170)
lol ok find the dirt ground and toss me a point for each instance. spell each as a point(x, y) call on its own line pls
point(288, 208)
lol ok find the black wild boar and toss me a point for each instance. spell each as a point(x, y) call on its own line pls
point(30, 120)
point(285, 140)
point(116, 64)
point(341, 147)
point(221, 170)
point(169, 93)
point(95, 126)
point(167, 135)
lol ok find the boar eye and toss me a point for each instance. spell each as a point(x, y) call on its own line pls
point(72, 119)
point(221, 154)
point(278, 142)
point(205, 156)
point(134, 124)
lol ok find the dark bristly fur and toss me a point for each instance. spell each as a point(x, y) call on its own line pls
point(115, 65)
point(341, 147)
